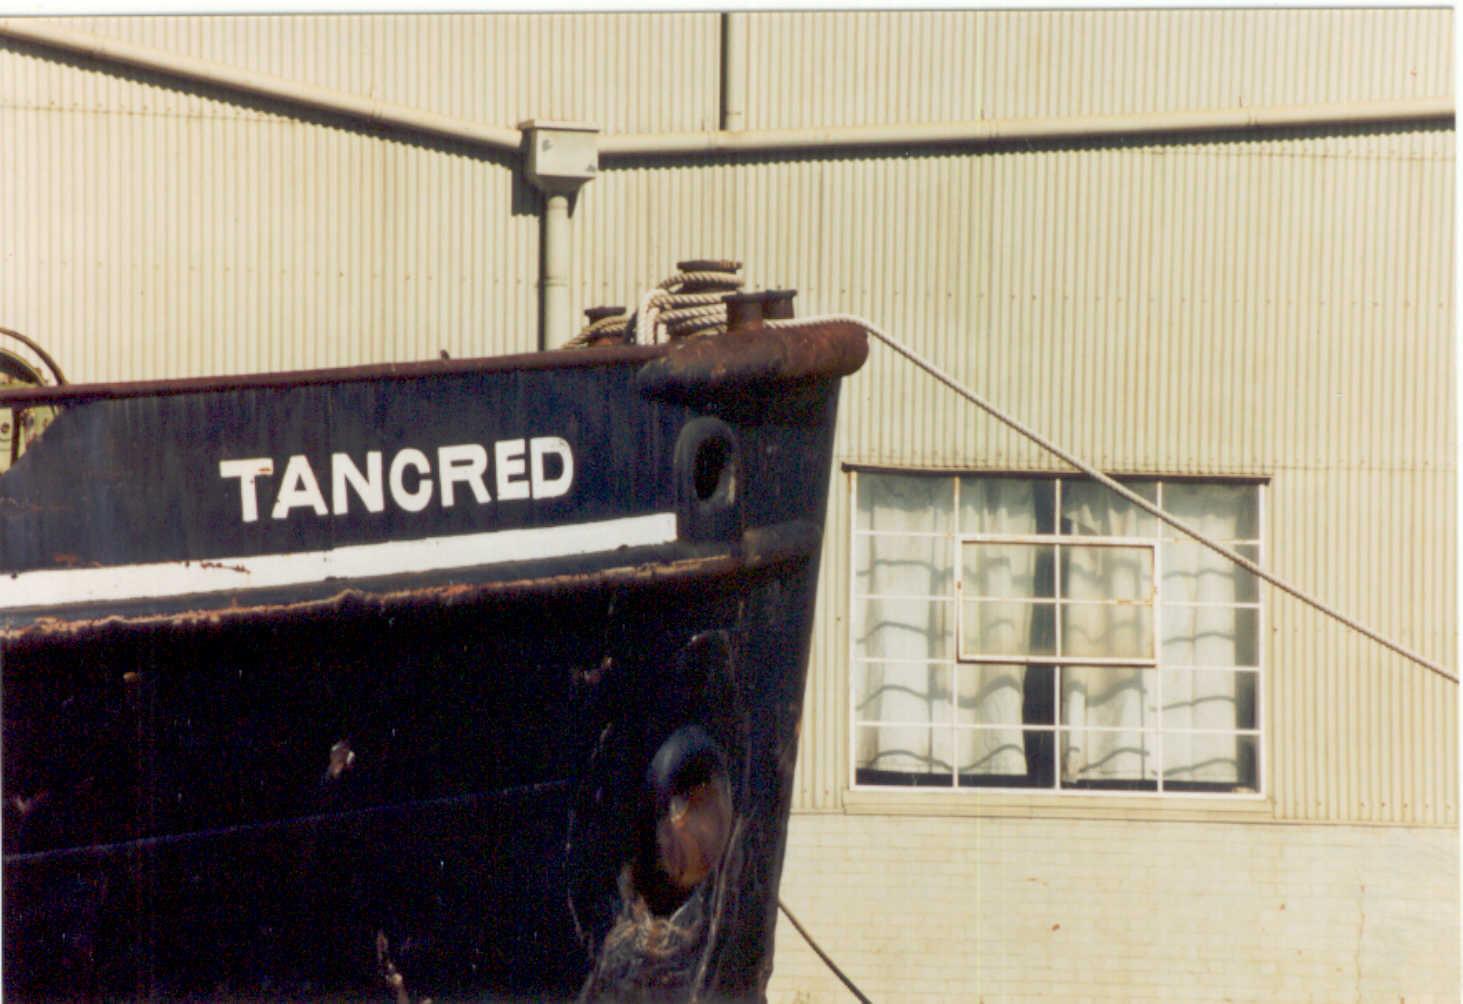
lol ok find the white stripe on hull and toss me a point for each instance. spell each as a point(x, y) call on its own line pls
point(48, 588)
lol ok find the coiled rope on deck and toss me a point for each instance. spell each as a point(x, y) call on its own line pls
point(689, 302)
point(685, 304)
point(1126, 493)
point(611, 328)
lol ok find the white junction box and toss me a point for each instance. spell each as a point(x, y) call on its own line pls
point(561, 155)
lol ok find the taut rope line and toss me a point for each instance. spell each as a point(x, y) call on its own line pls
point(1138, 500)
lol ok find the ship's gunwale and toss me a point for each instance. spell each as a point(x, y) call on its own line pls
point(830, 349)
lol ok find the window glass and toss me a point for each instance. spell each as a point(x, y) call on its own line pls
point(1000, 628)
point(1006, 758)
point(1207, 761)
point(904, 503)
point(1108, 758)
point(1021, 506)
point(905, 754)
point(1193, 573)
point(1107, 631)
point(1107, 573)
point(1109, 697)
point(1091, 509)
point(1209, 699)
point(902, 692)
point(1009, 571)
point(904, 629)
point(897, 565)
point(1226, 512)
point(991, 694)
point(1210, 636)
point(998, 646)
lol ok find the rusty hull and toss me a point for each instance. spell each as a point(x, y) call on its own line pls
point(414, 783)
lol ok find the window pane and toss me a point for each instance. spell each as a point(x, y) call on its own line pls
point(904, 502)
point(902, 566)
point(1107, 573)
point(1091, 509)
point(1225, 512)
point(904, 629)
point(996, 695)
point(1107, 631)
point(903, 754)
point(1209, 762)
point(1007, 505)
point(1209, 699)
point(1007, 627)
point(1192, 573)
point(1006, 758)
point(1115, 697)
point(1014, 571)
point(1095, 759)
point(902, 692)
point(1211, 636)
point(1047, 713)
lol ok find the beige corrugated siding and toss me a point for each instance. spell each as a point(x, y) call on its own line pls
point(623, 72)
point(1360, 734)
point(851, 68)
point(177, 240)
point(1162, 288)
point(1276, 305)
point(1276, 308)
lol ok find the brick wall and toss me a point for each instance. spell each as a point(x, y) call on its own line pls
point(1003, 909)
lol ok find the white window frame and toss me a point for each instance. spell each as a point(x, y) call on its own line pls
point(1056, 727)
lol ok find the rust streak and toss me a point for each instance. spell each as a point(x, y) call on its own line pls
point(760, 355)
point(241, 569)
point(760, 550)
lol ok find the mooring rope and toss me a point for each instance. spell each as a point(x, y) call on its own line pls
point(822, 954)
point(688, 302)
point(683, 304)
point(604, 327)
point(1133, 497)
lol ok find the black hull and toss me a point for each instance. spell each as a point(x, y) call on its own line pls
point(299, 790)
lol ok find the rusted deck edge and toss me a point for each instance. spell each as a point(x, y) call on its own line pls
point(761, 550)
point(709, 367)
point(761, 355)
point(556, 359)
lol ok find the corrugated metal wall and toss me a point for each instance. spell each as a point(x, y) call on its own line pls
point(1278, 306)
point(1281, 308)
point(814, 69)
point(153, 231)
point(623, 72)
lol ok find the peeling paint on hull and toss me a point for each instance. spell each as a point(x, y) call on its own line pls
point(437, 776)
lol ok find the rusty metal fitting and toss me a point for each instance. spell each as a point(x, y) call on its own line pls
point(712, 275)
point(743, 312)
point(593, 314)
point(709, 265)
point(777, 304)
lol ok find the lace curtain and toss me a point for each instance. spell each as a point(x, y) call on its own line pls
point(1096, 581)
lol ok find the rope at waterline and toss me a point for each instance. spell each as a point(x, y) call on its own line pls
point(1126, 493)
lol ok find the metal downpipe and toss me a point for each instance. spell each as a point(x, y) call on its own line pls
point(555, 328)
